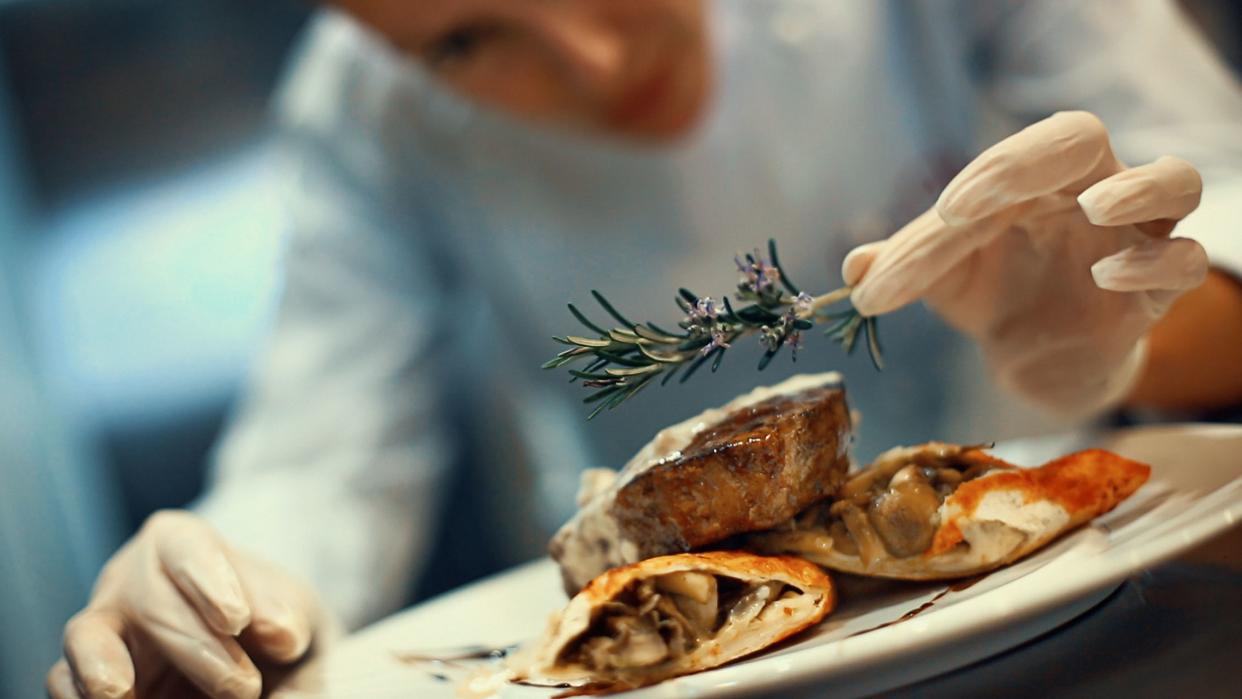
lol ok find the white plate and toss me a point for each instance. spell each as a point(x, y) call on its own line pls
point(1195, 492)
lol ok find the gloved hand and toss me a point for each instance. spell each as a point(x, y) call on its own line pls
point(1052, 255)
point(177, 608)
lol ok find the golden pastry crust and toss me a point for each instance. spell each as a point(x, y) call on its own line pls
point(991, 513)
point(1085, 484)
point(774, 597)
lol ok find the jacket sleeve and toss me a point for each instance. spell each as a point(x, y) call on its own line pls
point(1148, 73)
point(333, 463)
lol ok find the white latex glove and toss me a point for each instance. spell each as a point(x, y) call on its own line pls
point(1052, 255)
point(178, 613)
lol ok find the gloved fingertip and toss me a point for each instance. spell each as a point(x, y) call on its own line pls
point(1177, 264)
point(241, 685)
point(281, 640)
point(235, 619)
point(1168, 188)
point(60, 684)
point(298, 642)
point(1093, 204)
point(1114, 202)
point(1107, 274)
point(855, 265)
point(217, 593)
point(226, 617)
point(229, 594)
point(113, 691)
point(948, 205)
point(104, 682)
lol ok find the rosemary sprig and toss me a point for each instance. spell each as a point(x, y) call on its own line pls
point(623, 360)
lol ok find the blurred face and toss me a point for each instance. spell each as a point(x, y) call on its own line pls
point(636, 69)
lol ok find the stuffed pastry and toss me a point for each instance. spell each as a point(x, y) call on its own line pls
point(941, 511)
point(748, 466)
point(674, 615)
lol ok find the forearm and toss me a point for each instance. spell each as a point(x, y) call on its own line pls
point(1195, 352)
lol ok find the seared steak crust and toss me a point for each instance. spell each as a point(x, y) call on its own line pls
point(754, 470)
point(748, 466)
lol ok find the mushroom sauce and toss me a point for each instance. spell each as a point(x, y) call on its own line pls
point(891, 509)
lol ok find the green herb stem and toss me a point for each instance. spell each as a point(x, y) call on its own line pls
point(623, 360)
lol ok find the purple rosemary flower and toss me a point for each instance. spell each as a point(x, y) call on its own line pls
point(802, 303)
point(719, 340)
point(704, 310)
point(766, 273)
point(788, 319)
point(795, 344)
point(758, 274)
point(770, 337)
point(702, 317)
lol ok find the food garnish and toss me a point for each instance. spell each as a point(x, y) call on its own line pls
point(625, 359)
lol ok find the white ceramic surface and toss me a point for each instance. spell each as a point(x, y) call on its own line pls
point(1195, 491)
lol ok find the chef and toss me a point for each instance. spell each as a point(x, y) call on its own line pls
point(459, 169)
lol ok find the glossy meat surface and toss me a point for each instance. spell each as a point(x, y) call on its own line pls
point(753, 470)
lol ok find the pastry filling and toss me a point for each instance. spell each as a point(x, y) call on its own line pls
point(658, 621)
point(891, 509)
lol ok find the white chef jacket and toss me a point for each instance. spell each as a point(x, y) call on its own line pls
point(433, 245)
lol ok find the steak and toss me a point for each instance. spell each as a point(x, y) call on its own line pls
point(748, 466)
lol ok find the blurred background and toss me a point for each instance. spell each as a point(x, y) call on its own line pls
point(138, 239)
point(139, 232)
